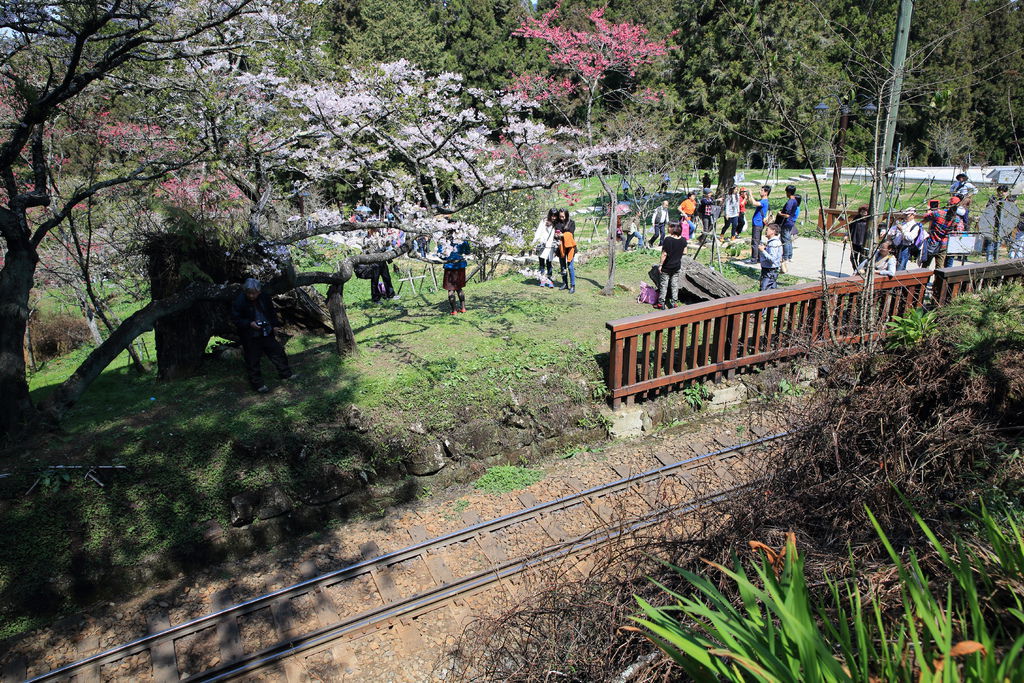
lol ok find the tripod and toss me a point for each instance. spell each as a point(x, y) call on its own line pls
point(716, 247)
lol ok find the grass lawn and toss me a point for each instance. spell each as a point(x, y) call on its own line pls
point(192, 444)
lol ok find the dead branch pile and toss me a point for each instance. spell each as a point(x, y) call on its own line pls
point(925, 425)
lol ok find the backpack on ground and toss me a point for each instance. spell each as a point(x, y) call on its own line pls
point(648, 294)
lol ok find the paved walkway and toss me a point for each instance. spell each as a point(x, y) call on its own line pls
point(807, 259)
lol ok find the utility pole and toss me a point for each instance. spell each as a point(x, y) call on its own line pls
point(883, 160)
point(883, 156)
point(899, 58)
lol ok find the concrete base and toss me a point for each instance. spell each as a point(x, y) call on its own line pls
point(725, 397)
point(626, 421)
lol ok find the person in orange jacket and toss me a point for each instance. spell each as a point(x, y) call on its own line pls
point(688, 206)
point(566, 254)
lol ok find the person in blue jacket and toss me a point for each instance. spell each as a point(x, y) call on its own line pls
point(455, 274)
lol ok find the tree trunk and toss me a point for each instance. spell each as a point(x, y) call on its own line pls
point(16, 276)
point(181, 341)
point(613, 219)
point(90, 319)
point(141, 321)
point(28, 342)
point(728, 162)
point(137, 364)
point(344, 335)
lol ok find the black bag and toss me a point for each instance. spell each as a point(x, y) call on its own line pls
point(364, 271)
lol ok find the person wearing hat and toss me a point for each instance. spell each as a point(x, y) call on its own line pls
point(252, 312)
point(962, 187)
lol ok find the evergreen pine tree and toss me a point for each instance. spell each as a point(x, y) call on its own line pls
point(478, 38)
point(390, 30)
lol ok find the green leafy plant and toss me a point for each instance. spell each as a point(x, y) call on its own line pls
point(53, 480)
point(505, 478)
point(905, 331)
point(696, 395)
point(787, 388)
point(968, 627)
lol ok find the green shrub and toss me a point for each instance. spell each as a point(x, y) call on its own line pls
point(982, 324)
point(967, 627)
point(905, 331)
point(696, 395)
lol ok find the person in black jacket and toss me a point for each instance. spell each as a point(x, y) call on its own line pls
point(858, 235)
point(253, 315)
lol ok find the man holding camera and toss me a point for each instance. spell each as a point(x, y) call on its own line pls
point(253, 315)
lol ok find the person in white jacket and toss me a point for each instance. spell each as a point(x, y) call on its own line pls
point(658, 221)
point(544, 247)
point(731, 209)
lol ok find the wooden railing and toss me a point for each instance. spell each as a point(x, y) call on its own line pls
point(949, 282)
point(657, 352)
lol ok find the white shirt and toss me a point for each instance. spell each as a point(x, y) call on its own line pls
point(909, 232)
point(962, 189)
point(660, 215)
point(545, 238)
point(732, 205)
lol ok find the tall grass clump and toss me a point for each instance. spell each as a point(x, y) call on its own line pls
point(954, 614)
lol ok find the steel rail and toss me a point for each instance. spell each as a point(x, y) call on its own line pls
point(435, 597)
point(330, 578)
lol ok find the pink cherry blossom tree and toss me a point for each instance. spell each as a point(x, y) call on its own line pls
point(591, 67)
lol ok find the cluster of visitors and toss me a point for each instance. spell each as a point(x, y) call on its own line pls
point(556, 237)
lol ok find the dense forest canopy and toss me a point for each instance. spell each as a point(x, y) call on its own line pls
point(962, 93)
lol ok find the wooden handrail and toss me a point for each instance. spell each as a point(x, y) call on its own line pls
point(657, 351)
point(951, 282)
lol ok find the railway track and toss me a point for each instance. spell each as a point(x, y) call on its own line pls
point(304, 621)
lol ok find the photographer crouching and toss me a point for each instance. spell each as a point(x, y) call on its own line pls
point(253, 315)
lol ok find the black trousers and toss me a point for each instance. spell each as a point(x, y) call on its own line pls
point(253, 349)
point(381, 274)
point(659, 234)
point(857, 255)
point(755, 239)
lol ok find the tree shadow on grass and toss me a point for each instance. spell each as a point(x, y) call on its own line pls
point(199, 443)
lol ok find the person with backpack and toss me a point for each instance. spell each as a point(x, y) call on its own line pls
point(771, 258)
point(943, 223)
point(857, 233)
point(706, 210)
point(786, 220)
point(566, 241)
point(455, 274)
point(672, 250)
point(757, 224)
point(907, 239)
